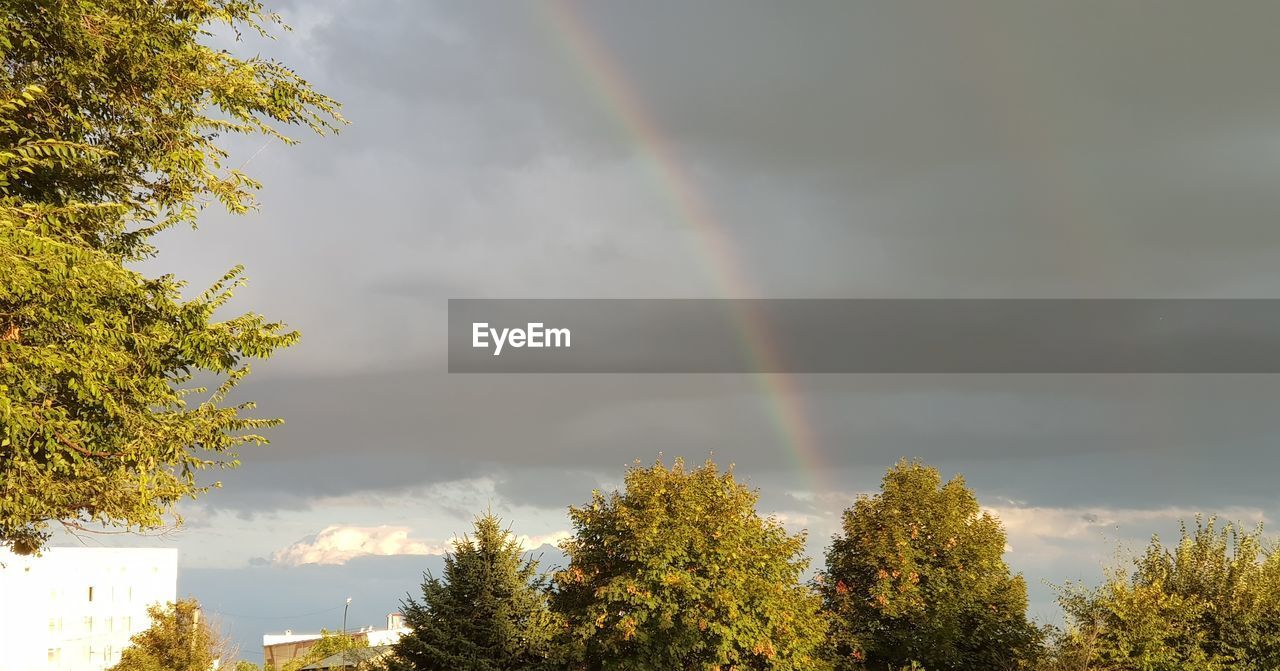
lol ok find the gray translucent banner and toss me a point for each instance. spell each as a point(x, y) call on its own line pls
point(864, 336)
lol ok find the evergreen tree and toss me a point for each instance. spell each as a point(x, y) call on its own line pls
point(679, 571)
point(917, 575)
point(487, 613)
point(110, 117)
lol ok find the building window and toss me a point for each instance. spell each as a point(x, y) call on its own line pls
point(90, 592)
point(53, 625)
point(54, 654)
point(128, 623)
point(88, 624)
point(111, 623)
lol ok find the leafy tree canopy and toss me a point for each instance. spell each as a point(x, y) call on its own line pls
point(917, 575)
point(177, 640)
point(679, 571)
point(488, 613)
point(111, 118)
point(1209, 603)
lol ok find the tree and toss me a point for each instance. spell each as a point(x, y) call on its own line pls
point(488, 613)
point(177, 640)
point(917, 575)
point(678, 571)
point(111, 114)
point(330, 643)
point(1210, 603)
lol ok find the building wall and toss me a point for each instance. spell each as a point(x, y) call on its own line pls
point(380, 637)
point(75, 609)
point(280, 648)
point(276, 653)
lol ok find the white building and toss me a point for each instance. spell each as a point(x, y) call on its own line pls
point(74, 609)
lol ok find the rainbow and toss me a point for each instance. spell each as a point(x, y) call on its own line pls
point(604, 76)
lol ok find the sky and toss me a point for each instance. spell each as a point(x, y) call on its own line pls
point(836, 150)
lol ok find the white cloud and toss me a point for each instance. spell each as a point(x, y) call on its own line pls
point(793, 519)
point(340, 544)
point(337, 544)
point(1038, 532)
point(534, 542)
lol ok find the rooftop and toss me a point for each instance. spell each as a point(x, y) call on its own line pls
point(349, 658)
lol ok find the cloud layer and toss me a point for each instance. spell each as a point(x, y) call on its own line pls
point(905, 149)
point(340, 544)
point(337, 545)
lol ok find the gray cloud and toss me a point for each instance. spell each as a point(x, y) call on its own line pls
point(1087, 149)
point(1115, 440)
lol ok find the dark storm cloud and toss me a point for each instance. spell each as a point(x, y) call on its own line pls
point(556, 486)
point(548, 440)
point(849, 150)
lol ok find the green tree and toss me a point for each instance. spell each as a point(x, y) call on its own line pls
point(488, 613)
point(1210, 603)
point(330, 643)
point(917, 575)
point(177, 640)
point(679, 571)
point(111, 118)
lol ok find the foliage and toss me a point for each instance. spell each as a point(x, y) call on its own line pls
point(1210, 603)
point(917, 575)
point(679, 572)
point(330, 643)
point(177, 640)
point(488, 613)
point(111, 114)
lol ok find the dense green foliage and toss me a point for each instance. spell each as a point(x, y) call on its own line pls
point(917, 575)
point(488, 612)
point(1210, 603)
point(110, 117)
point(678, 571)
point(177, 640)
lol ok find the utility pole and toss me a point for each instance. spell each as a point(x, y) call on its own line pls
point(345, 641)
